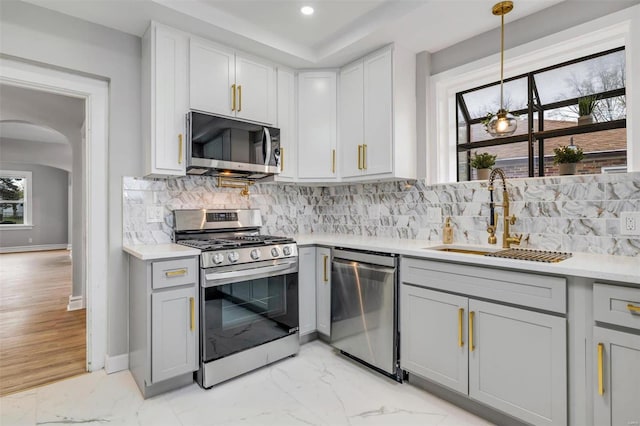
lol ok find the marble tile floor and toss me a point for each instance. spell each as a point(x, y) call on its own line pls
point(317, 387)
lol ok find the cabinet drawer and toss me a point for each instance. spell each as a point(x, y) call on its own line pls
point(171, 273)
point(617, 305)
point(520, 288)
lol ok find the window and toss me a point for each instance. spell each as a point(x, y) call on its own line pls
point(15, 199)
point(546, 104)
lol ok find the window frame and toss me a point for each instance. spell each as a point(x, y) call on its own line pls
point(27, 199)
point(616, 29)
point(534, 105)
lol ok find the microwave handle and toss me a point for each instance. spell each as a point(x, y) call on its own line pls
point(267, 146)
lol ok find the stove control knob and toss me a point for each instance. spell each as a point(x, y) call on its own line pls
point(255, 254)
point(275, 252)
point(286, 250)
point(218, 258)
point(233, 256)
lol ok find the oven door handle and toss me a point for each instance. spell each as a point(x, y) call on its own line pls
point(247, 274)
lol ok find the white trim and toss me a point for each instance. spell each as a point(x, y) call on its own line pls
point(75, 303)
point(21, 227)
point(95, 93)
point(41, 247)
point(601, 34)
point(113, 364)
point(27, 198)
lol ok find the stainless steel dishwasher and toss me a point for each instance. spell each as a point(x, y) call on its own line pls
point(364, 314)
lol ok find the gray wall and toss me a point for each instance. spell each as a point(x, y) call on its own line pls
point(564, 15)
point(40, 35)
point(50, 191)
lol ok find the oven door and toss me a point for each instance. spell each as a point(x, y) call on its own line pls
point(241, 309)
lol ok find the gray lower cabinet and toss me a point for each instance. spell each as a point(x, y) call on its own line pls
point(307, 289)
point(513, 359)
point(617, 377)
point(518, 362)
point(163, 323)
point(323, 290)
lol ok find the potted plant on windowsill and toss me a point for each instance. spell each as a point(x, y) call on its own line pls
point(566, 157)
point(586, 105)
point(483, 163)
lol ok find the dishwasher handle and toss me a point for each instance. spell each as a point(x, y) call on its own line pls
point(390, 261)
point(344, 263)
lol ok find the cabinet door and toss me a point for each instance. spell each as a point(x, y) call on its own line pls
point(351, 120)
point(518, 362)
point(307, 289)
point(317, 125)
point(323, 290)
point(170, 103)
point(378, 113)
point(616, 378)
point(434, 336)
point(212, 78)
point(174, 333)
point(256, 90)
point(287, 124)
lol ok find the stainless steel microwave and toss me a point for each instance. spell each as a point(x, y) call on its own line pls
point(219, 146)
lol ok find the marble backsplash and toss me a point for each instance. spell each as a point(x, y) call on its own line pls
point(569, 213)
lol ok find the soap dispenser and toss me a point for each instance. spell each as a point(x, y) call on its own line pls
point(447, 232)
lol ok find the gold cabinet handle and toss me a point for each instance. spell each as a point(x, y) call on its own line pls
point(180, 148)
point(359, 157)
point(282, 159)
point(325, 278)
point(175, 273)
point(192, 305)
point(333, 161)
point(471, 346)
point(460, 316)
point(233, 97)
point(364, 157)
point(600, 369)
point(239, 98)
point(633, 308)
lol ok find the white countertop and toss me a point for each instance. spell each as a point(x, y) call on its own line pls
point(159, 251)
point(625, 269)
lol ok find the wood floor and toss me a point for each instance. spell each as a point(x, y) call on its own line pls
point(40, 341)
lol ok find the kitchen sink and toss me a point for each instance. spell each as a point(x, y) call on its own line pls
point(513, 253)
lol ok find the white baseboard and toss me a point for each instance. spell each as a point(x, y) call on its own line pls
point(42, 247)
point(113, 364)
point(75, 303)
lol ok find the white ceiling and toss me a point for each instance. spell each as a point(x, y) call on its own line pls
point(25, 131)
point(339, 30)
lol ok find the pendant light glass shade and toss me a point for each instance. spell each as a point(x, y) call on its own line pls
point(502, 124)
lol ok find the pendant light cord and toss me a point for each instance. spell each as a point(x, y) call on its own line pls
point(501, 59)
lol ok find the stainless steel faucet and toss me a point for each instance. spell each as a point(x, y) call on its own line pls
point(507, 239)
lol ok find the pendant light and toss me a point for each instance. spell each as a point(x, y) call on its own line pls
point(502, 123)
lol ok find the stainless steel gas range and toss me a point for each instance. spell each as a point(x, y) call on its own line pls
point(248, 291)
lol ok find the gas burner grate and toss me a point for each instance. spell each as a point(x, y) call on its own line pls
point(208, 244)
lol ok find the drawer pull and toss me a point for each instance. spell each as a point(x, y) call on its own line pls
point(633, 308)
point(324, 276)
point(600, 369)
point(460, 316)
point(176, 273)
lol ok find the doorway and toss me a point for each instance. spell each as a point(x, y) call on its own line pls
point(93, 212)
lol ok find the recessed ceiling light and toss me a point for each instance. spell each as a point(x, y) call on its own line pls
point(306, 10)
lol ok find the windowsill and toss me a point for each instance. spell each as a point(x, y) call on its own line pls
point(15, 227)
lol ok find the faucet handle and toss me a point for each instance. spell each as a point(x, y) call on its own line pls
point(512, 220)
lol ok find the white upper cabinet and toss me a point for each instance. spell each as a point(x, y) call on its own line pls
point(377, 116)
point(227, 83)
point(164, 100)
point(287, 125)
point(317, 102)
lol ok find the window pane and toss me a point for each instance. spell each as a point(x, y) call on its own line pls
point(463, 170)
point(589, 77)
point(607, 148)
point(513, 158)
point(462, 127)
point(12, 200)
point(480, 102)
